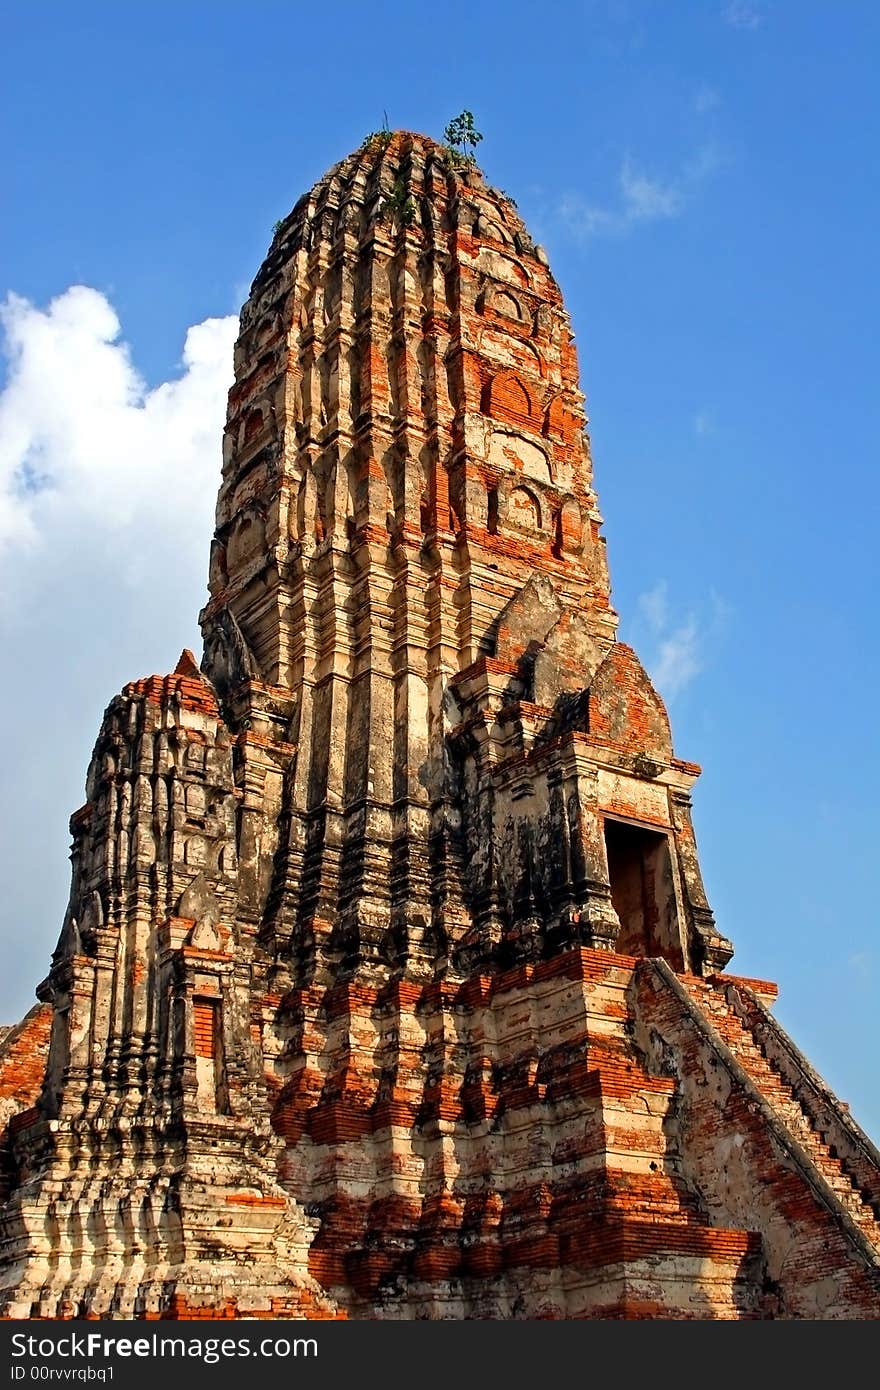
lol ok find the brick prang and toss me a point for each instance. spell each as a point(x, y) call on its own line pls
point(388, 986)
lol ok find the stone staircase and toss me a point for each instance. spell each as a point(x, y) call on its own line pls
point(734, 1031)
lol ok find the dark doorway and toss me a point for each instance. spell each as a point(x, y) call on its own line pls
point(643, 892)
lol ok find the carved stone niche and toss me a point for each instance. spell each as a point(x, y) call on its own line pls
point(491, 230)
point(218, 572)
point(511, 452)
point(252, 425)
point(568, 528)
point(524, 511)
point(504, 303)
point(247, 539)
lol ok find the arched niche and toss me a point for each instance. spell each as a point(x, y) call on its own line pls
point(569, 528)
point(554, 418)
point(492, 231)
point(511, 452)
point(248, 536)
point(506, 304)
point(502, 267)
point(253, 424)
point(506, 396)
point(523, 510)
point(218, 572)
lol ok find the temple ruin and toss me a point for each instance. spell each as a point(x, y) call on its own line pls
point(388, 985)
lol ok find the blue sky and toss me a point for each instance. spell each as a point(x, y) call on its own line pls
point(703, 178)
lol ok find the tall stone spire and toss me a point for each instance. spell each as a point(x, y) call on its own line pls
point(388, 984)
point(410, 596)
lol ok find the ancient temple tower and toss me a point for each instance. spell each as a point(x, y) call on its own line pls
point(388, 985)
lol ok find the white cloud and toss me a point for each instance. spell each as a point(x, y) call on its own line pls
point(741, 14)
point(107, 492)
point(706, 99)
point(84, 443)
point(646, 199)
point(678, 659)
point(584, 220)
point(861, 962)
point(673, 645)
point(642, 198)
point(703, 424)
point(654, 606)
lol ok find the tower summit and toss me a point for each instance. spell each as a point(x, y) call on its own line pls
point(388, 985)
point(408, 567)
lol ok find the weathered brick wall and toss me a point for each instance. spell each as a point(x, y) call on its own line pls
point(518, 1164)
point(751, 1158)
point(24, 1050)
